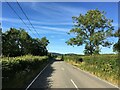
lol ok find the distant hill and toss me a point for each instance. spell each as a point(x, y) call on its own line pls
point(54, 53)
point(73, 54)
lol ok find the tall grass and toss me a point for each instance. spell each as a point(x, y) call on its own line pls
point(16, 71)
point(104, 66)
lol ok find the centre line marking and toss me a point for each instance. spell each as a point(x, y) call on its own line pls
point(74, 84)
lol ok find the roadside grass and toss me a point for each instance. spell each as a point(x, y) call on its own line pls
point(103, 66)
point(18, 72)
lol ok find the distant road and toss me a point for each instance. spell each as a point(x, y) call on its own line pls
point(59, 74)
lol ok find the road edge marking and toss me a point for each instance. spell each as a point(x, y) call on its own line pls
point(94, 76)
point(36, 77)
point(74, 84)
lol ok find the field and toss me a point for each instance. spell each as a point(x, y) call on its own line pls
point(103, 66)
point(18, 71)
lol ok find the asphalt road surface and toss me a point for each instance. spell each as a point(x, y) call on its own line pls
point(59, 74)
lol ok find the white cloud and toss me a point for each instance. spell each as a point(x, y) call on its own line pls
point(10, 20)
point(39, 27)
point(13, 20)
point(48, 32)
point(52, 28)
point(56, 9)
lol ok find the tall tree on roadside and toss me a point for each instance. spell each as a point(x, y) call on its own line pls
point(44, 45)
point(44, 41)
point(116, 46)
point(91, 29)
point(10, 41)
point(39, 46)
point(18, 42)
point(25, 42)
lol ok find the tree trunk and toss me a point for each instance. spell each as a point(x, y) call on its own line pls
point(91, 48)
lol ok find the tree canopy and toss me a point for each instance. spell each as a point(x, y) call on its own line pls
point(91, 29)
point(19, 42)
point(116, 46)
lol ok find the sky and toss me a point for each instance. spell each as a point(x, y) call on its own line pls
point(54, 20)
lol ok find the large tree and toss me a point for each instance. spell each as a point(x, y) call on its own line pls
point(25, 42)
point(10, 41)
point(44, 45)
point(18, 42)
point(91, 29)
point(116, 46)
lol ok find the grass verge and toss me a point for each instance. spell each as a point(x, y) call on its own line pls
point(104, 66)
point(18, 72)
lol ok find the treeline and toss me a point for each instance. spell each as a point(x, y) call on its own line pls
point(17, 42)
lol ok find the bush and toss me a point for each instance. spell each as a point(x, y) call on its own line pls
point(104, 66)
point(80, 60)
point(24, 64)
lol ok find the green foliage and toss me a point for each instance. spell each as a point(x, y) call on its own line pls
point(74, 58)
point(12, 67)
point(44, 41)
point(91, 29)
point(116, 46)
point(18, 42)
point(62, 57)
point(104, 66)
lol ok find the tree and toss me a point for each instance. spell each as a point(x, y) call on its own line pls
point(19, 42)
point(44, 43)
point(91, 29)
point(25, 42)
point(116, 46)
point(39, 46)
point(36, 47)
point(10, 41)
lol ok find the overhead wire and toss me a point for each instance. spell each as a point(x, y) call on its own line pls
point(27, 17)
point(19, 17)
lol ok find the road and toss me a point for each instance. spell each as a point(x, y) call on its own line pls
point(59, 74)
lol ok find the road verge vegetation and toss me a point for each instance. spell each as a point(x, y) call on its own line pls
point(103, 66)
point(17, 72)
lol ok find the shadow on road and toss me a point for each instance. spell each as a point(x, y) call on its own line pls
point(44, 80)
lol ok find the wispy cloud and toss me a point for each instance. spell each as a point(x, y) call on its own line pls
point(56, 9)
point(9, 20)
point(48, 28)
point(13, 20)
point(44, 32)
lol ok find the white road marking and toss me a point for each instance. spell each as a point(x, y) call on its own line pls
point(36, 77)
point(95, 76)
point(100, 79)
point(74, 84)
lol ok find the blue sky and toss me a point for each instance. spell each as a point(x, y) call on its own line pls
point(54, 20)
